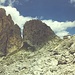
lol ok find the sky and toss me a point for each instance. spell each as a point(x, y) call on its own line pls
point(57, 14)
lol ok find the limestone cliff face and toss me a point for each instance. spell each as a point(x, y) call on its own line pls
point(36, 33)
point(8, 30)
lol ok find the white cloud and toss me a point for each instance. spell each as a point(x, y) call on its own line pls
point(2, 1)
point(8, 2)
point(11, 2)
point(62, 33)
point(72, 1)
point(60, 27)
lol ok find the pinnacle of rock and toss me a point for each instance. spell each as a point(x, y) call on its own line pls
point(10, 34)
point(36, 33)
point(2, 12)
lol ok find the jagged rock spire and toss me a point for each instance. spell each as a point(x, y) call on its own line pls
point(2, 12)
point(10, 34)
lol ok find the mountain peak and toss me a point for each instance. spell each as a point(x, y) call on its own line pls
point(2, 12)
point(10, 34)
point(37, 33)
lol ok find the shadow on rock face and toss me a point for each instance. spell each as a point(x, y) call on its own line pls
point(28, 47)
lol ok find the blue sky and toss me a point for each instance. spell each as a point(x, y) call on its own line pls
point(60, 10)
point(58, 14)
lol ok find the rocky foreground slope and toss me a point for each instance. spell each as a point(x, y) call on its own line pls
point(57, 57)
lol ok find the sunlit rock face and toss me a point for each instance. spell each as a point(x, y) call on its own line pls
point(8, 30)
point(36, 33)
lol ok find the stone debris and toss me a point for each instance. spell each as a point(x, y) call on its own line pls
point(51, 59)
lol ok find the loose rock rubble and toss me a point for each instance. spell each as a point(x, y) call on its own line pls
point(57, 57)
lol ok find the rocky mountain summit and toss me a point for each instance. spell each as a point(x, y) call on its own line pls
point(9, 33)
point(36, 33)
point(2, 12)
point(54, 56)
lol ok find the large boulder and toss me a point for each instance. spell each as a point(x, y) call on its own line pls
point(36, 33)
point(10, 34)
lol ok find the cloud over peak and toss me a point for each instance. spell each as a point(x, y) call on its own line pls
point(60, 28)
point(17, 18)
point(72, 1)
